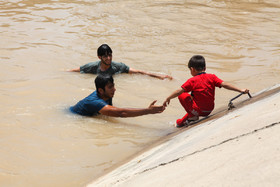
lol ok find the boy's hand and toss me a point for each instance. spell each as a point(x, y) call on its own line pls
point(245, 91)
point(166, 102)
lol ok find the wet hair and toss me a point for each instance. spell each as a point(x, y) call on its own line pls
point(104, 49)
point(102, 80)
point(197, 62)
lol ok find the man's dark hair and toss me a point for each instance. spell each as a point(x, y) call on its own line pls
point(102, 80)
point(104, 49)
point(197, 62)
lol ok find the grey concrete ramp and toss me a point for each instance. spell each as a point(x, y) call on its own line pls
point(240, 147)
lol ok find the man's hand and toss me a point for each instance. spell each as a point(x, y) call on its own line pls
point(165, 77)
point(73, 70)
point(155, 108)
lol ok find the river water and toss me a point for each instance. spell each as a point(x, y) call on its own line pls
point(42, 144)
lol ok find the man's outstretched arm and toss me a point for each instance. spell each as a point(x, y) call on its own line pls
point(109, 110)
point(131, 70)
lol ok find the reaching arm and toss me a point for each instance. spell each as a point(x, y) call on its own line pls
point(74, 70)
point(131, 70)
point(173, 95)
point(109, 110)
point(231, 87)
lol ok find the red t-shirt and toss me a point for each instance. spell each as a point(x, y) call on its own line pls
point(202, 87)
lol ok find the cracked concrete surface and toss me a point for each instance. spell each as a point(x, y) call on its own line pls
point(213, 146)
point(236, 148)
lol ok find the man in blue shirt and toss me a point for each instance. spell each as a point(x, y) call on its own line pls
point(109, 67)
point(100, 102)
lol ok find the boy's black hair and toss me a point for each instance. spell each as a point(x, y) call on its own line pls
point(102, 80)
point(197, 62)
point(104, 49)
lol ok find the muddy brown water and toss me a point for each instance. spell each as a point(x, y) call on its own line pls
point(42, 144)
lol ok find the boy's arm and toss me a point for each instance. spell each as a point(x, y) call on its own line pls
point(109, 110)
point(131, 70)
point(231, 87)
point(173, 95)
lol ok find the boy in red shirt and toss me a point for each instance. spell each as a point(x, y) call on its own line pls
point(202, 87)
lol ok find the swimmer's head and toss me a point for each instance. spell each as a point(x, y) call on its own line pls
point(102, 80)
point(103, 50)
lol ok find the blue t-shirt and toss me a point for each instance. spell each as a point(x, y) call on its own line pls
point(91, 105)
point(94, 67)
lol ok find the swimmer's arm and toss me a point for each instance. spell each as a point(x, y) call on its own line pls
point(231, 87)
point(109, 110)
point(172, 96)
point(74, 70)
point(131, 71)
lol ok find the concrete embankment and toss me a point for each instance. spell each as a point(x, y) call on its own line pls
point(240, 147)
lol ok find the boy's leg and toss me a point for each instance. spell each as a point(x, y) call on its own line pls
point(179, 122)
point(188, 104)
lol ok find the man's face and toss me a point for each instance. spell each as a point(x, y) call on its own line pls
point(106, 59)
point(109, 90)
